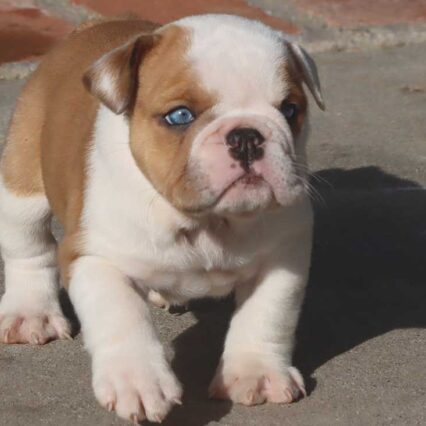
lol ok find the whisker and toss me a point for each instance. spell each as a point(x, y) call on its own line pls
point(305, 169)
point(313, 193)
point(320, 179)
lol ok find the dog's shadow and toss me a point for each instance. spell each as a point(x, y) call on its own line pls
point(197, 353)
point(368, 273)
point(368, 277)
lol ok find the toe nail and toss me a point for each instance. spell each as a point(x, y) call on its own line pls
point(110, 406)
point(177, 401)
point(134, 418)
point(6, 335)
point(158, 418)
point(67, 336)
point(35, 339)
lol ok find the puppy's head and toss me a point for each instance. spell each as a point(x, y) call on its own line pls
point(216, 112)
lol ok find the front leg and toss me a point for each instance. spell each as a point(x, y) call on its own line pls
point(130, 371)
point(256, 363)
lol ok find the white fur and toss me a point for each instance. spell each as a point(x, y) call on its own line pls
point(128, 362)
point(126, 221)
point(241, 63)
point(131, 231)
point(256, 362)
point(237, 59)
point(29, 253)
point(215, 170)
point(134, 241)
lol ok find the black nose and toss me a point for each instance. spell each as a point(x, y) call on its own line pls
point(244, 145)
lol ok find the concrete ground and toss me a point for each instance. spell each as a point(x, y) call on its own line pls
point(362, 338)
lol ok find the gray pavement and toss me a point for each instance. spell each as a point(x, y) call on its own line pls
point(319, 37)
point(362, 339)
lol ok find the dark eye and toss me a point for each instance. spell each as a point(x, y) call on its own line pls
point(179, 116)
point(288, 110)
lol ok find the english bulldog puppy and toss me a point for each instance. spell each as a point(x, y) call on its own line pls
point(174, 157)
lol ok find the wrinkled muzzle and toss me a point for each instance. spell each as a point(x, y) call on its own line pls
point(242, 163)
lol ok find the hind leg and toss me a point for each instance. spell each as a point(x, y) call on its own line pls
point(29, 310)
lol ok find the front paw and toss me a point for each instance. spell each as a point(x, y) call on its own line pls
point(135, 387)
point(250, 380)
point(37, 323)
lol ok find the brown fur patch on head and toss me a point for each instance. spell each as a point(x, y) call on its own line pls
point(296, 95)
point(167, 81)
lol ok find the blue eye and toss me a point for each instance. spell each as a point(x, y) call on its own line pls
point(288, 110)
point(179, 116)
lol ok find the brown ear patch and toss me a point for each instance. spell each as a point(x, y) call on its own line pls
point(113, 78)
point(296, 95)
point(307, 70)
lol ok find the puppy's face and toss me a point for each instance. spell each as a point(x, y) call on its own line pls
point(216, 112)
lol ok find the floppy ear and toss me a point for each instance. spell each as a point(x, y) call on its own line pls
point(113, 78)
point(307, 68)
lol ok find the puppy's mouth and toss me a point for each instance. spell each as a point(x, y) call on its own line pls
point(246, 183)
point(249, 178)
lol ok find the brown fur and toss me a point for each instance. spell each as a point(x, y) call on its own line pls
point(296, 96)
point(161, 151)
point(53, 123)
point(121, 66)
point(21, 161)
point(164, 81)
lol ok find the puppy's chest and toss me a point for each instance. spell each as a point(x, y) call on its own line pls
point(180, 286)
point(186, 267)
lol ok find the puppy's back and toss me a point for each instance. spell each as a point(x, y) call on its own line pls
point(53, 121)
